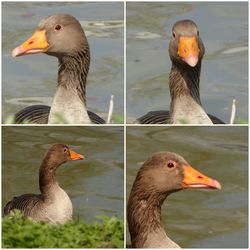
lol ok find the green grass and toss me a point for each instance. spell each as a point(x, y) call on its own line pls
point(240, 121)
point(18, 232)
point(118, 119)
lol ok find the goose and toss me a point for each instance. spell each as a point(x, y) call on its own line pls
point(161, 175)
point(62, 36)
point(53, 205)
point(186, 51)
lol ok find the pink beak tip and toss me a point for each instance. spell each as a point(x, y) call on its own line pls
point(191, 61)
point(15, 52)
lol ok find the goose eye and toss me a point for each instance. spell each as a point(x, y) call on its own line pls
point(198, 33)
point(171, 164)
point(65, 150)
point(58, 27)
point(173, 34)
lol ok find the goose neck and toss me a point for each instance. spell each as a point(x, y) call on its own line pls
point(47, 177)
point(69, 103)
point(185, 104)
point(184, 81)
point(73, 71)
point(144, 217)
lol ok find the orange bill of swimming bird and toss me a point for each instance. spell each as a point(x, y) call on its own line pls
point(37, 43)
point(188, 50)
point(195, 179)
point(75, 156)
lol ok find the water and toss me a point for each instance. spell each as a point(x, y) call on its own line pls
point(94, 185)
point(224, 76)
point(200, 218)
point(33, 79)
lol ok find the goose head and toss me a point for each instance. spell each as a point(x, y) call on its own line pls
point(57, 35)
point(59, 154)
point(186, 47)
point(167, 172)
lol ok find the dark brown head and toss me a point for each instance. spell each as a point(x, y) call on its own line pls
point(56, 156)
point(186, 47)
point(59, 154)
point(57, 35)
point(167, 172)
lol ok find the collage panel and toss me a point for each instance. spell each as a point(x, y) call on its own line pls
point(77, 173)
point(125, 183)
point(211, 163)
point(187, 62)
point(86, 39)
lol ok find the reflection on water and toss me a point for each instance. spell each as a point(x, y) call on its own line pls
point(35, 76)
point(199, 218)
point(223, 28)
point(107, 28)
point(94, 185)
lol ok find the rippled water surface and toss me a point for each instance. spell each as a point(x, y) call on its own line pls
point(200, 218)
point(224, 30)
point(94, 185)
point(33, 79)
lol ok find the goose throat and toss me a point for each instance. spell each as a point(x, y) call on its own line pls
point(69, 103)
point(185, 106)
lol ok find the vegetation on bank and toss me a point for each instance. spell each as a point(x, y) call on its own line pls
point(18, 232)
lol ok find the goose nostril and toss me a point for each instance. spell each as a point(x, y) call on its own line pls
point(199, 177)
point(31, 42)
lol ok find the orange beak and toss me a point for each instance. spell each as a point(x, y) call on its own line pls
point(37, 43)
point(188, 50)
point(75, 156)
point(195, 179)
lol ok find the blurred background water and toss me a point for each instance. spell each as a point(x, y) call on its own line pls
point(223, 27)
point(33, 79)
point(94, 185)
point(200, 218)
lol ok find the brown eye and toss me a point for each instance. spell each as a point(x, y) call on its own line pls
point(171, 164)
point(198, 33)
point(65, 150)
point(173, 34)
point(58, 27)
